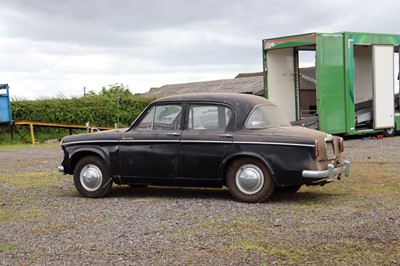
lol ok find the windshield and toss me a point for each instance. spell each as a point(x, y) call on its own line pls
point(263, 116)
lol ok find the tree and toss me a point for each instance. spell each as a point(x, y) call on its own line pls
point(116, 91)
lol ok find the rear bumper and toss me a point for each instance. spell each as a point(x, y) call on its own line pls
point(329, 173)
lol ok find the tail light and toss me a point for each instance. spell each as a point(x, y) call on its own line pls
point(316, 148)
point(341, 142)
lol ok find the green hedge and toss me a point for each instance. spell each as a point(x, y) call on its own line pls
point(105, 109)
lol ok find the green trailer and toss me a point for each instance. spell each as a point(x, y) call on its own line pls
point(355, 79)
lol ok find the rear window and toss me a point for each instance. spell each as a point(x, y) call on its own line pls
point(208, 117)
point(264, 116)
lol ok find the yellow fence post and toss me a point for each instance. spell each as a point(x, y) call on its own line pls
point(32, 133)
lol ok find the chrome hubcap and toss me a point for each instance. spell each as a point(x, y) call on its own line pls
point(249, 179)
point(91, 177)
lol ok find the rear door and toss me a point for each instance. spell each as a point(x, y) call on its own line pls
point(383, 68)
point(206, 140)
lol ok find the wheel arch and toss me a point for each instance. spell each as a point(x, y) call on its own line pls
point(81, 153)
point(230, 159)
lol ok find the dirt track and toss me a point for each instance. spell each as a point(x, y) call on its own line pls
point(44, 221)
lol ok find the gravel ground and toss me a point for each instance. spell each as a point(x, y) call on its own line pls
point(44, 221)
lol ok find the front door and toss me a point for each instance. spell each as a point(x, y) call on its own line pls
point(151, 148)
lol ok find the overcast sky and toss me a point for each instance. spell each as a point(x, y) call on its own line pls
point(53, 47)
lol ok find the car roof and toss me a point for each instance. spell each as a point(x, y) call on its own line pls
point(229, 98)
point(242, 103)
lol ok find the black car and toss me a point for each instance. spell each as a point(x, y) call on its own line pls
point(206, 140)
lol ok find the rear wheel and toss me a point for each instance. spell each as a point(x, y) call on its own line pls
point(91, 177)
point(249, 180)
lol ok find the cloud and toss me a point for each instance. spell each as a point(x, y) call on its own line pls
point(52, 46)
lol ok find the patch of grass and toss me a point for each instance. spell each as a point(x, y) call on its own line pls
point(30, 180)
point(357, 251)
point(5, 247)
point(271, 251)
point(14, 146)
point(349, 251)
point(8, 215)
point(372, 179)
point(53, 229)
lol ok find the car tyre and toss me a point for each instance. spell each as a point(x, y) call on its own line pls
point(92, 178)
point(249, 180)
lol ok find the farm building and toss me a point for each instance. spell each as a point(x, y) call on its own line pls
point(249, 83)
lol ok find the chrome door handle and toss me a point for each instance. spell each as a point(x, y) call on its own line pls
point(228, 136)
point(173, 134)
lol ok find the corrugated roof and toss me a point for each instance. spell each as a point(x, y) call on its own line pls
point(249, 85)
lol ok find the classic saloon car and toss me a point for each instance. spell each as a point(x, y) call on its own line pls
point(206, 140)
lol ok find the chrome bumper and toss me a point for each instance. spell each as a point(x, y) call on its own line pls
point(329, 173)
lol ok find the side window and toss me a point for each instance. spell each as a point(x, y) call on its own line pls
point(263, 116)
point(161, 117)
point(208, 117)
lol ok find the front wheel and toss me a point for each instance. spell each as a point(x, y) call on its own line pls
point(91, 177)
point(249, 180)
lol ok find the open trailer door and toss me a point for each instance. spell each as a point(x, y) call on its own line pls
point(383, 69)
point(281, 80)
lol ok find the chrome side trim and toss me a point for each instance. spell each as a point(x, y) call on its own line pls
point(89, 142)
point(275, 143)
point(150, 140)
point(128, 140)
point(206, 141)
